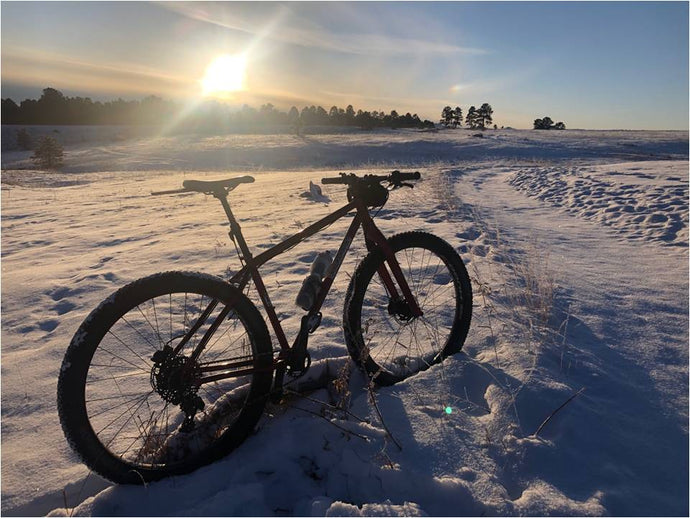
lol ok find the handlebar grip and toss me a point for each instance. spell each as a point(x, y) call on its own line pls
point(333, 180)
point(406, 176)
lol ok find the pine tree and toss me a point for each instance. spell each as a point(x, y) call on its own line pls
point(457, 117)
point(349, 115)
point(471, 118)
point(446, 116)
point(484, 115)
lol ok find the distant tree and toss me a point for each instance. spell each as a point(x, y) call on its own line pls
point(484, 114)
point(52, 106)
point(393, 119)
point(559, 126)
point(544, 124)
point(10, 112)
point(333, 115)
point(364, 120)
point(48, 153)
point(293, 120)
point(349, 115)
point(471, 118)
point(446, 116)
point(321, 115)
point(457, 117)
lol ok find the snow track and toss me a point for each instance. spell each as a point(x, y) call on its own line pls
point(646, 200)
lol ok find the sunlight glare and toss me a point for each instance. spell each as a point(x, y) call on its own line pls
point(224, 75)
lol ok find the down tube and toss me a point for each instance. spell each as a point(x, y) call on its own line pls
point(336, 264)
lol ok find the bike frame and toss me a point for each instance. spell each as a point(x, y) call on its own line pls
point(373, 238)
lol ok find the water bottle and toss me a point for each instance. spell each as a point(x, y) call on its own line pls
point(311, 285)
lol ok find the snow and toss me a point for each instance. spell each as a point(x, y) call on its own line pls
point(577, 246)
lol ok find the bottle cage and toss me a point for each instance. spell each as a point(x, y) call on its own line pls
point(372, 193)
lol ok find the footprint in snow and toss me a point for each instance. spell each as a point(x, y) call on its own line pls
point(64, 306)
point(59, 293)
point(48, 325)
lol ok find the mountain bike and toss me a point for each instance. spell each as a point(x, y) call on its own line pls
point(172, 371)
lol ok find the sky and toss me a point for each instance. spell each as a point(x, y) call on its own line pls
point(595, 65)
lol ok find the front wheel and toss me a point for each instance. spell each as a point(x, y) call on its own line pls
point(138, 403)
point(381, 333)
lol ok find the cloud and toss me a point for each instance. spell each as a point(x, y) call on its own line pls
point(28, 66)
point(284, 25)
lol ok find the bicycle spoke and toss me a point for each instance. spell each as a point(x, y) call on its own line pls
point(160, 339)
point(139, 332)
point(128, 375)
point(129, 349)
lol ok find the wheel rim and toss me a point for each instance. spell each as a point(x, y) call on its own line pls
point(134, 413)
point(397, 342)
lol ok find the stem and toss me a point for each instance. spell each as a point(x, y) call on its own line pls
point(372, 398)
point(535, 434)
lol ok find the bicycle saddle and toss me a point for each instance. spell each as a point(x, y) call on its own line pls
point(217, 185)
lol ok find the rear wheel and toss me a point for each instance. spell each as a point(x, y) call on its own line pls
point(381, 333)
point(134, 407)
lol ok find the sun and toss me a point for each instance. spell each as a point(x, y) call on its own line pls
point(224, 75)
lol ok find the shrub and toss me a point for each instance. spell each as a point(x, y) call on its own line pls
point(24, 140)
point(48, 153)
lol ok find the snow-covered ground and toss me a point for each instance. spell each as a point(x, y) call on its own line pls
point(577, 246)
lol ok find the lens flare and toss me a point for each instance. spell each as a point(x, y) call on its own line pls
point(448, 410)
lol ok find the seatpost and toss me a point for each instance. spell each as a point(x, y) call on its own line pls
point(235, 230)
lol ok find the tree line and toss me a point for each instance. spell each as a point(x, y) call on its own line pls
point(54, 108)
point(480, 118)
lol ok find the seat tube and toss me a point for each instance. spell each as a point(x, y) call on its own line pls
point(236, 235)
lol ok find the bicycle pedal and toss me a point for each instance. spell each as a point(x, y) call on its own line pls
point(295, 371)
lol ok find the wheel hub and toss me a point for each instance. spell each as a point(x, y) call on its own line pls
point(400, 310)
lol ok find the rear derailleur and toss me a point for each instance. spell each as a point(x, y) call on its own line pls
point(177, 379)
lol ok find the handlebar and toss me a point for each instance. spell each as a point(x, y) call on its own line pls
point(395, 178)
